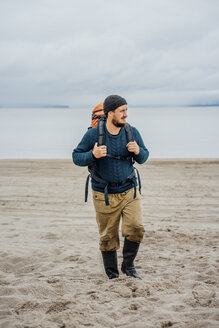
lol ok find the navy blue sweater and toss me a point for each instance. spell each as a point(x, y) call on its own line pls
point(109, 169)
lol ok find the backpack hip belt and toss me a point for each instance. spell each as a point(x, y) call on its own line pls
point(93, 175)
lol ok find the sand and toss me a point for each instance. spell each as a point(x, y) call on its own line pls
point(51, 272)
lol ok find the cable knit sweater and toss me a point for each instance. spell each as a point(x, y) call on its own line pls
point(109, 169)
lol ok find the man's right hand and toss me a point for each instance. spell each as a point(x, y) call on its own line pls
point(100, 151)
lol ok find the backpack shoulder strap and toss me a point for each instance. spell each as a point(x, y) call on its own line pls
point(101, 132)
point(129, 136)
point(129, 133)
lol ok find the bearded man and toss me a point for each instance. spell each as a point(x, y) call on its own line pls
point(114, 184)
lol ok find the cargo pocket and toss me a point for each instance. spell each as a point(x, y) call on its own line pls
point(100, 205)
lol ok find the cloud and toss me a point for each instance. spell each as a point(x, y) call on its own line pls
point(78, 52)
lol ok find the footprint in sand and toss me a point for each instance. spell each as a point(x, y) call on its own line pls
point(50, 236)
point(166, 324)
point(204, 295)
point(133, 306)
point(52, 280)
point(27, 306)
point(58, 306)
point(72, 258)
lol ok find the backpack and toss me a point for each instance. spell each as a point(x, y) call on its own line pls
point(98, 119)
point(97, 113)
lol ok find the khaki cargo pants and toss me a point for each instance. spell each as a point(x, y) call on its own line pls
point(108, 218)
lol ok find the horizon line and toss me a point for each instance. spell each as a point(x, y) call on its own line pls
point(76, 106)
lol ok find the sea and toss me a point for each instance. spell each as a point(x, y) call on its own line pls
point(168, 132)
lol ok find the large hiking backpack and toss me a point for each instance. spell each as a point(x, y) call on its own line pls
point(98, 119)
point(97, 113)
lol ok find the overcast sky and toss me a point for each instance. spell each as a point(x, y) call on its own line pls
point(76, 52)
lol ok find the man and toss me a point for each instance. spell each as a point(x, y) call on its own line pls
point(114, 186)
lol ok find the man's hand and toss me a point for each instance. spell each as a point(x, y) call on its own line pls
point(100, 151)
point(133, 147)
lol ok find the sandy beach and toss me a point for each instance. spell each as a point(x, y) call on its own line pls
point(51, 272)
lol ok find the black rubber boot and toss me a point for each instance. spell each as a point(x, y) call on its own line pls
point(130, 251)
point(110, 264)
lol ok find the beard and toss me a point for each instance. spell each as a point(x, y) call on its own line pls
point(117, 124)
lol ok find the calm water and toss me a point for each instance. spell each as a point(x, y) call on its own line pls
point(184, 132)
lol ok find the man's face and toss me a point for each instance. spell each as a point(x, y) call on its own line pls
point(119, 116)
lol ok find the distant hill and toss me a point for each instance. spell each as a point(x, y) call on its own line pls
point(205, 105)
